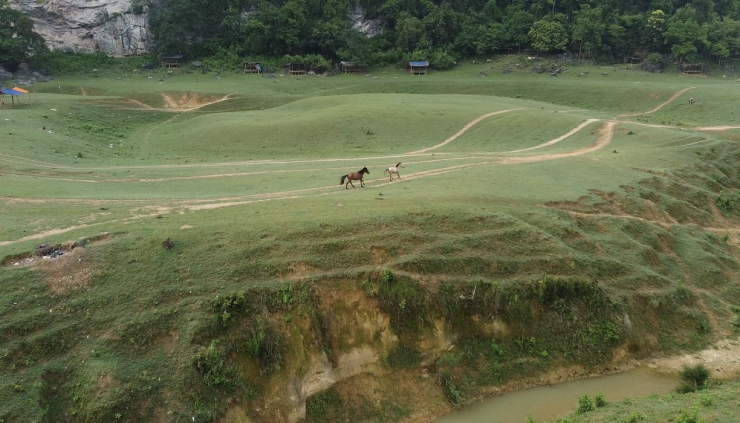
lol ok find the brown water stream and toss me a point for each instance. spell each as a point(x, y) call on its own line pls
point(551, 402)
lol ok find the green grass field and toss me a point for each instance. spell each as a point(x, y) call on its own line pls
point(606, 179)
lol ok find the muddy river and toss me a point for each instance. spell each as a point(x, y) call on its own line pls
point(551, 402)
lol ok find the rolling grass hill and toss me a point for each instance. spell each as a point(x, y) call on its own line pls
point(589, 220)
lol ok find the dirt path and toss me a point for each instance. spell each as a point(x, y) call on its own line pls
point(463, 130)
point(607, 133)
point(667, 102)
point(560, 138)
point(82, 90)
point(149, 133)
point(717, 128)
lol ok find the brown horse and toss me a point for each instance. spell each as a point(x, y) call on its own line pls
point(354, 177)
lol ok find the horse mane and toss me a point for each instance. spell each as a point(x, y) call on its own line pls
point(399, 164)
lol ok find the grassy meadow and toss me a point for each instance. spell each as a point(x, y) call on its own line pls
point(241, 173)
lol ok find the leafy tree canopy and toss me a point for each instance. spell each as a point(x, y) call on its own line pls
point(17, 39)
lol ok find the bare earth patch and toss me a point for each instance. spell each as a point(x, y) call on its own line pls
point(64, 273)
point(722, 359)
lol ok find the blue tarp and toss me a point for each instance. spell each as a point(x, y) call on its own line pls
point(259, 67)
point(419, 63)
point(8, 91)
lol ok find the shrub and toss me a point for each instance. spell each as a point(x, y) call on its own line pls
point(600, 400)
point(693, 378)
point(585, 404)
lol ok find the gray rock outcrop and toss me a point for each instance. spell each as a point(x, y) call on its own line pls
point(115, 27)
point(361, 24)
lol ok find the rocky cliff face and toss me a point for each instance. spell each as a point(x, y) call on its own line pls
point(115, 27)
point(363, 25)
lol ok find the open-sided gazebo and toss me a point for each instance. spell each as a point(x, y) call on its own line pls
point(350, 67)
point(170, 60)
point(13, 93)
point(296, 68)
point(418, 68)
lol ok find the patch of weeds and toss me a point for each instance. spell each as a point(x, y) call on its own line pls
point(264, 343)
point(403, 300)
point(496, 349)
point(726, 202)
point(706, 401)
point(403, 357)
point(635, 417)
point(453, 393)
point(688, 417)
point(320, 407)
point(211, 363)
point(449, 359)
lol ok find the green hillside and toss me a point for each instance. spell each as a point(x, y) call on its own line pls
point(592, 220)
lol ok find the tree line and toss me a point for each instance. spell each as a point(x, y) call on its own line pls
point(443, 31)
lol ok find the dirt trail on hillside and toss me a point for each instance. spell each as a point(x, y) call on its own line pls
point(560, 138)
point(82, 90)
point(188, 102)
point(462, 131)
point(667, 102)
point(607, 133)
point(716, 128)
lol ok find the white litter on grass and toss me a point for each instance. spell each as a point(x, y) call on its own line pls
point(53, 110)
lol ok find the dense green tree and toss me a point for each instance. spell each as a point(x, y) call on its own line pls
point(547, 35)
point(724, 34)
point(517, 24)
point(17, 39)
point(685, 34)
point(478, 39)
point(588, 29)
point(410, 35)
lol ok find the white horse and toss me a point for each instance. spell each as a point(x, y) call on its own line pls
point(393, 169)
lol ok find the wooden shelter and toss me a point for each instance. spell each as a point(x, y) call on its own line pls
point(252, 67)
point(418, 68)
point(170, 60)
point(693, 68)
point(350, 67)
point(296, 68)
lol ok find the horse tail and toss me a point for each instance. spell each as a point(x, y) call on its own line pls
point(385, 171)
point(343, 178)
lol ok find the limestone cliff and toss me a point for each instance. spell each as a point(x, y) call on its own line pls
point(115, 27)
point(118, 27)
